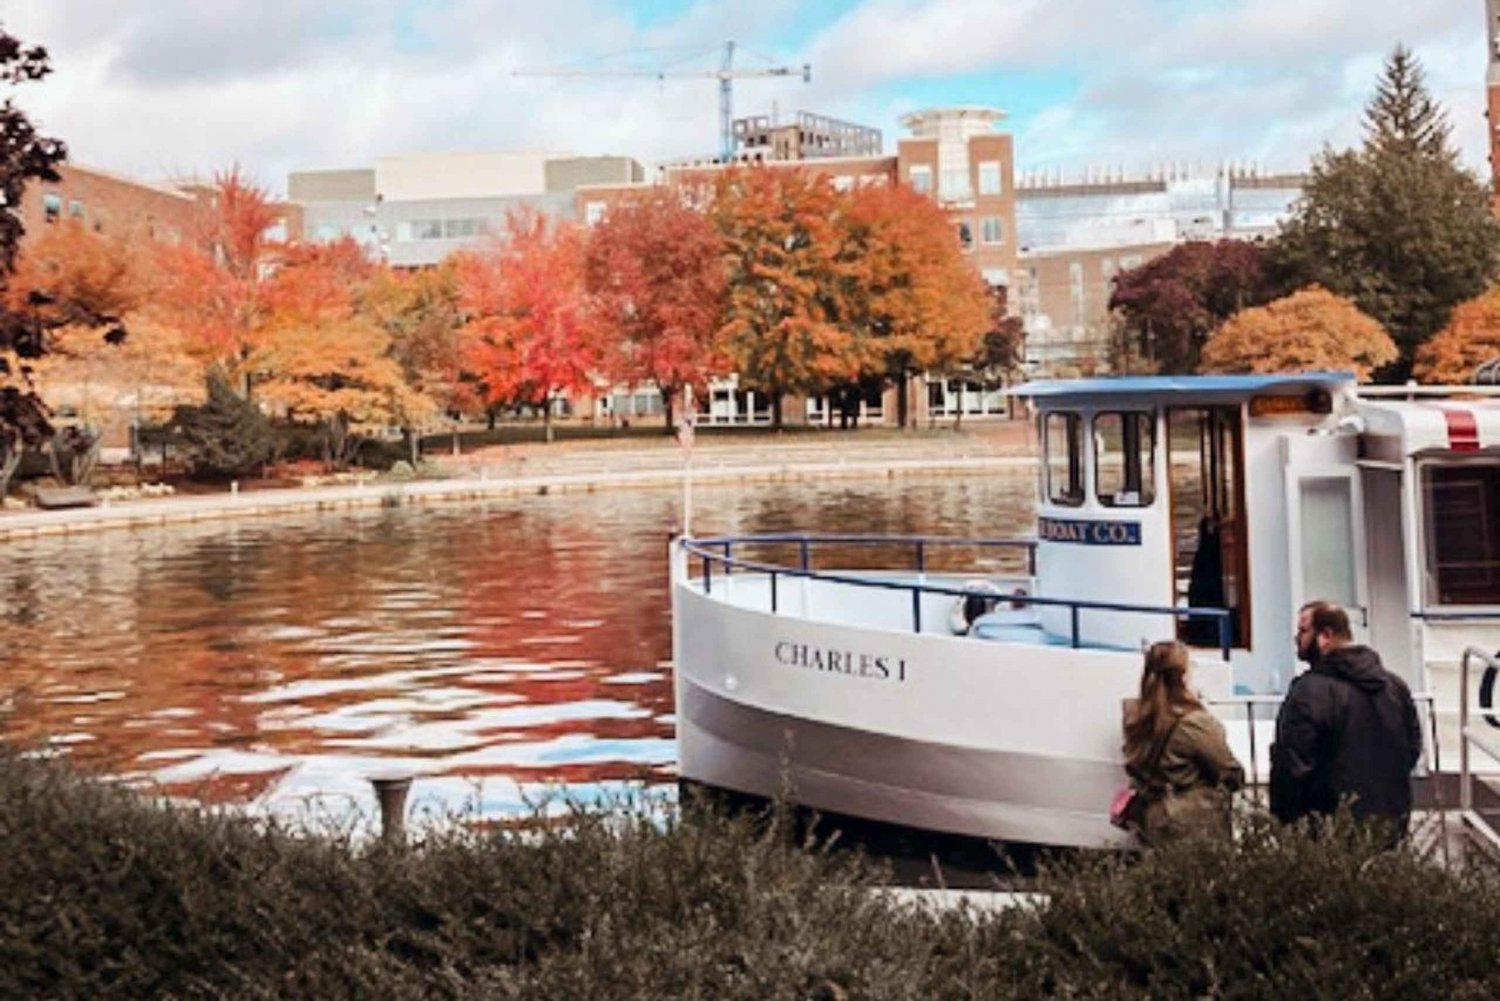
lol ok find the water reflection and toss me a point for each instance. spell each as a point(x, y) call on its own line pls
point(491, 649)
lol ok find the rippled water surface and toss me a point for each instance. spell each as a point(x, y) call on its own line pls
point(494, 650)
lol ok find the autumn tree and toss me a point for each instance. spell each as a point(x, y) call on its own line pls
point(319, 359)
point(1168, 307)
point(654, 269)
point(1399, 226)
point(1471, 339)
point(420, 312)
point(785, 329)
point(1309, 331)
point(527, 335)
point(212, 285)
point(25, 157)
point(915, 301)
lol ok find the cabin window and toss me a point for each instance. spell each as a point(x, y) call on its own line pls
point(1060, 436)
point(1462, 506)
point(1125, 458)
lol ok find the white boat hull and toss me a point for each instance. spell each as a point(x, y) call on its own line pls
point(835, 702)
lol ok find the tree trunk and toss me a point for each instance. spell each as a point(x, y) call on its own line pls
point(958, 422)
point(547, 421)
point(10, 459)
point(902, 407)
point(666, 402)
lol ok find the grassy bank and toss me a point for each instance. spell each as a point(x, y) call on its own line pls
point(105, 896)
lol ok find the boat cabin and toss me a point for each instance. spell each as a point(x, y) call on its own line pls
point(1255, 494)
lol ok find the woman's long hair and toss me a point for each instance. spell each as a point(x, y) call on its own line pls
point(1164, 698)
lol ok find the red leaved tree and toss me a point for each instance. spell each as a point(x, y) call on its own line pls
point(212, 285)
point(1471, 339)
point(1169, 306)
point(655, 270)
point(527, 337)
point(784, 329)
point(918, 302)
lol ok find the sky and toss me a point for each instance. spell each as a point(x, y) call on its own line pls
point(172, 88)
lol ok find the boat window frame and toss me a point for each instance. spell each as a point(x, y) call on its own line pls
point(1078, 493)
point(1431, 592)
point(1146, 476)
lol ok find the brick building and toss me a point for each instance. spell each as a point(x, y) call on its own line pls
point(108, 203)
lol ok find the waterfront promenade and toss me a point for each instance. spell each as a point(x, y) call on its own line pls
point(586, 465)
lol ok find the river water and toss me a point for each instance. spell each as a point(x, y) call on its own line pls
point(499, 652)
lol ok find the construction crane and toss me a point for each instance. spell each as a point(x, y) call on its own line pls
point(725, 74)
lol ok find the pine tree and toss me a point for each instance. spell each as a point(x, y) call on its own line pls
point(1402, 117)
point(1399, 226)
point(227, 435)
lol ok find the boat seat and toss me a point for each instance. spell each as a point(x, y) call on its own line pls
point(1002, 627)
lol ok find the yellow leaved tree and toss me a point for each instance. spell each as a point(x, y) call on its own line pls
point(1308, 331)
point(1471, 338)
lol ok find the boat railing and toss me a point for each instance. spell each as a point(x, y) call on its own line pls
point(1471, 738)
point(719, 551)
point(1230, 706)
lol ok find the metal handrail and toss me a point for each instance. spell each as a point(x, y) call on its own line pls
point(1252, 702)
point(1471, 816)
point(1477, 615)
point(726, 559)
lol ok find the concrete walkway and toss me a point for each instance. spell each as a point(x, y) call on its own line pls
point(511, 472)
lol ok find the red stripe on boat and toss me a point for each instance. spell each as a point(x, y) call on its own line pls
point(1463, 429)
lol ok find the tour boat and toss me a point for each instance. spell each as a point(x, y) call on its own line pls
point(1206, 508)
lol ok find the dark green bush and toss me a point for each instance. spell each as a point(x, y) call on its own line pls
point(227, 435)
point(103, 895)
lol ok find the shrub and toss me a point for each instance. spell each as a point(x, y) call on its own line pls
point(227, 435)
point(104, 895)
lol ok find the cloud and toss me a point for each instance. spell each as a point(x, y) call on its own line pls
point(279, 85)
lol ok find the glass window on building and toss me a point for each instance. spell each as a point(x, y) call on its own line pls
point(592, 212)
point(75, 209)
point(989, 178)
point(921, 178)
point(992, 230)
point(52, 206)
point(965, 235)
point(954, 186)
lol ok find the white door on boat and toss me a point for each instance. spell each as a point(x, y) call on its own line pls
point(1325, 536)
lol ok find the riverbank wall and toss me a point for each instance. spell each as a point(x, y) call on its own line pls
point(597, 471)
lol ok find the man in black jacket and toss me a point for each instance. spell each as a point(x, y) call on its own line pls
point(1348, 727)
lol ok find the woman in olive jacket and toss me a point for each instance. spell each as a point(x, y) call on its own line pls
point(1176, 754)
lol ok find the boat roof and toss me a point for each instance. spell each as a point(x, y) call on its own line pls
point(1461, 425)
point(1217, 387)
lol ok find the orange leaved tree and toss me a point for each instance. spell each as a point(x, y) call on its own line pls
point(1307, 331)
point(527, 336)
point(654, 268)
point(786, 328)
point(917, 300)
point(319, 359)
point(1471, 338)
point(211, 286)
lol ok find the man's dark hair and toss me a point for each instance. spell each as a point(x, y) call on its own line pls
point(1327, 615)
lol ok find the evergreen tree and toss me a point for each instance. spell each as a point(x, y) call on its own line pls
point(227, 435)
point(1402, 117)
point(1397, 226)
